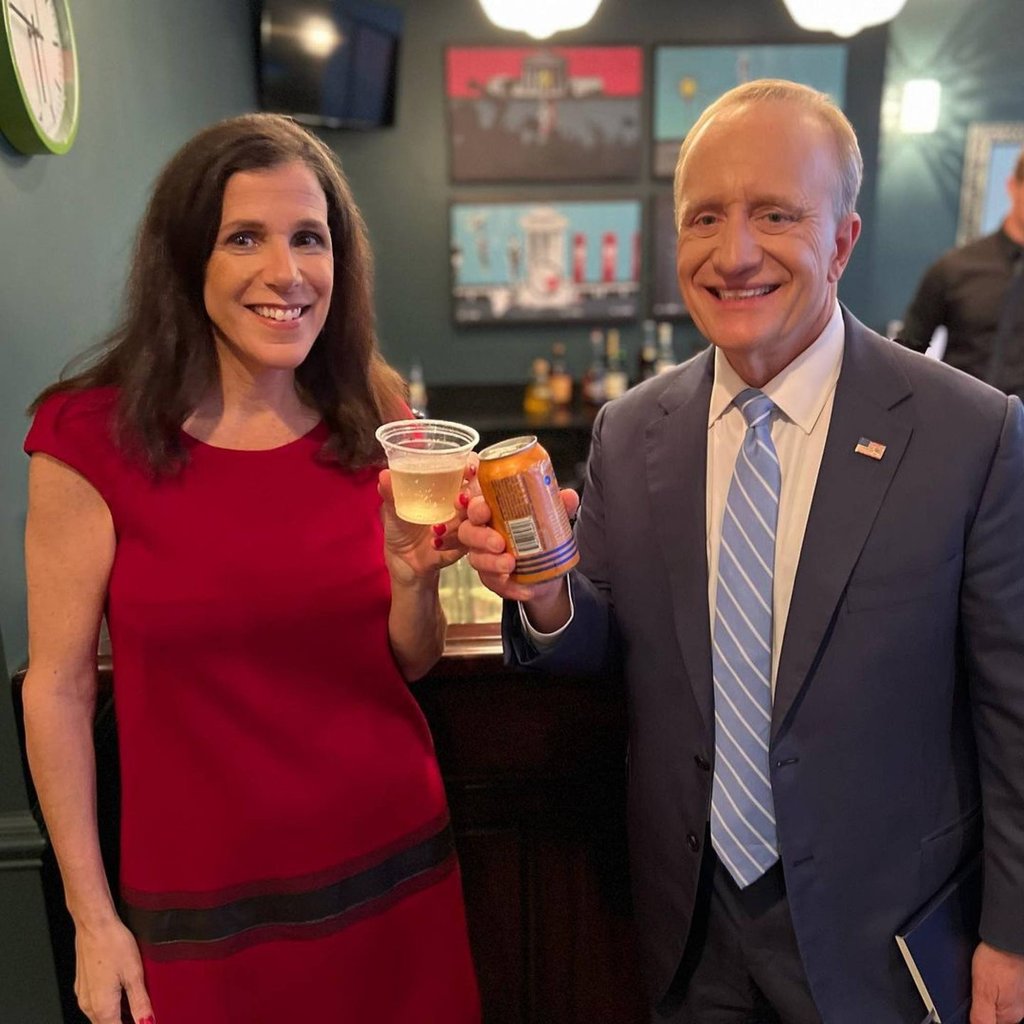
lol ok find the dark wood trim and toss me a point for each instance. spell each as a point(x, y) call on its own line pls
point(21, 842)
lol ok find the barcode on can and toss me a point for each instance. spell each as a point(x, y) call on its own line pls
point(525, 538)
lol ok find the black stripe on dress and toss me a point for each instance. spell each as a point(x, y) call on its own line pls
point(212, 932)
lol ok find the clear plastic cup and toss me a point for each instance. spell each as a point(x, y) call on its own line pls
point(427, 459)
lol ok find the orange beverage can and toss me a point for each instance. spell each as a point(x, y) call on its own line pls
point(519, 486)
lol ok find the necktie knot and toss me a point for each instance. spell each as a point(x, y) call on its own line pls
point(756, 407)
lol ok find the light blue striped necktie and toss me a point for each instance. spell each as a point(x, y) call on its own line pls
point(742, 811)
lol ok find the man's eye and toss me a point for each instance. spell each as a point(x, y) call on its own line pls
point(704, 220)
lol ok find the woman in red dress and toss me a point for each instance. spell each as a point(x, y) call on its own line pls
point(211, 484)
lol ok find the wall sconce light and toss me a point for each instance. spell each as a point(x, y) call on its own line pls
point(539, 18)
point(919, 106)
point(842, 17)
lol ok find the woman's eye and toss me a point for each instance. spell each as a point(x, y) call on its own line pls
point(242, 239)
point(309, 238)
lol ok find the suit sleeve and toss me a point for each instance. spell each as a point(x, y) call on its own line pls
point(992, 617)
point(588, 647)
point(927, 310)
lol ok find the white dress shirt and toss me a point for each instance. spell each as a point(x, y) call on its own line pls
point(803, 393)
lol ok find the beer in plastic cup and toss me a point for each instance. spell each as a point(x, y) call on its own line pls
point(427, 459)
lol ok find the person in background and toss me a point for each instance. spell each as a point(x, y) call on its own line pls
point(212, 485)
point(805, 548)
point(977, 293)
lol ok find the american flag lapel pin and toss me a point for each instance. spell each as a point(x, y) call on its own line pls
point(872, 449)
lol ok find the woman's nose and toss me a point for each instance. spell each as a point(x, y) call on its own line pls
point(282, 269)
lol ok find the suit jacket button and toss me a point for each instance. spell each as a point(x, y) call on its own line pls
point(702, 763)
point(692, 841)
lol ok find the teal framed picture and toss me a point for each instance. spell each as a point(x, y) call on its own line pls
point(545, 261)
point(689, 78)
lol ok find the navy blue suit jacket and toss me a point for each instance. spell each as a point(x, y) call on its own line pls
point(898, 723)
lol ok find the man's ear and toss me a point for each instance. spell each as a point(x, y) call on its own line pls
point(847, 233)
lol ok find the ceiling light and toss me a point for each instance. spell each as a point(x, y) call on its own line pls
point(539, 18)
point(842, 17)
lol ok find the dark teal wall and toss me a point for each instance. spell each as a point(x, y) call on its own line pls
point(400, 176)
point(973, 49)
point(152, 73)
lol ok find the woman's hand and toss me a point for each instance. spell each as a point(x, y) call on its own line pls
point(415, 552)
point(108, 963)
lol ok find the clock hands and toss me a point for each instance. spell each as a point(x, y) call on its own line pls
point(32, 30)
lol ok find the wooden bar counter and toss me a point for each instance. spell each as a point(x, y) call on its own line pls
point(535, 775)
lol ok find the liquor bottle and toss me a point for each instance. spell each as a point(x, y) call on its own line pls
point(417, 392)
point(616, 379)
point(593, 380)
point(561, 378)
point(666, 354)
point(648, 363)
point(537, 397)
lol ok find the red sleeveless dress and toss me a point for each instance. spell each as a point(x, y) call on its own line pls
point(285, 847)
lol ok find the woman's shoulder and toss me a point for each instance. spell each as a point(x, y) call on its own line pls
point(78, 405)
point(76, 426)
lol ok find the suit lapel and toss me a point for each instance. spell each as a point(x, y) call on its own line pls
point(849, 490)
point(676, 462)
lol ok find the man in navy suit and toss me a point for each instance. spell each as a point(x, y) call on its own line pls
point(891, 640)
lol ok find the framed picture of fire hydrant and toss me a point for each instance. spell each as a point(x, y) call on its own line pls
point(545, 261)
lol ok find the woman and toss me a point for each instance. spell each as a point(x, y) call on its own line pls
point(211, 484)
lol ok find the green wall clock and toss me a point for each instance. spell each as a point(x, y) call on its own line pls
point(38, 75)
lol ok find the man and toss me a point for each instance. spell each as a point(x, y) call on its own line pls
point(806, 546)
point(972, 291)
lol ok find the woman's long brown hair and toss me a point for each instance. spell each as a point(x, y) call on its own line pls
point(161, 356)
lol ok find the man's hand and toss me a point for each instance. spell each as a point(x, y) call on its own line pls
point(997, 986)
point(547, 604)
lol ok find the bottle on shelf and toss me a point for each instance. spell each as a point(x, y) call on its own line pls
point(616, 379)
point(537, 397)
point(593, 380)
point(417, 392)
point(561, 378)
point(647, 366)
point(666, 353)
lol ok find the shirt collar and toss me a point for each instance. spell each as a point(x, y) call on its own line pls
point(801, 389)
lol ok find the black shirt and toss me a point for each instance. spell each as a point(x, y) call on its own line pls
point(965, 290)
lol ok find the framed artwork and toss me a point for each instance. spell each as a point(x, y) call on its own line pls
point(545, 262)
point(567, 113)
point(688, 78)
point(989, 157)
point(666, 299)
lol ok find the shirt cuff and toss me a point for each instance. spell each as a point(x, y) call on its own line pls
point(544, 641)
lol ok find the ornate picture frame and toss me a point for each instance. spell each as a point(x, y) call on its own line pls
point(989, 156)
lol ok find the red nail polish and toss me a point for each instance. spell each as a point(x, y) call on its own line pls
point(438, 543)
point(439, 529)
point(464, 500)
point(147, 1020)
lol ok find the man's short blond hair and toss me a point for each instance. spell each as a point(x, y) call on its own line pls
point(849, 162)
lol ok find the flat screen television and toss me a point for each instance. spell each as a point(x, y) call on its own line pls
point(330, 63)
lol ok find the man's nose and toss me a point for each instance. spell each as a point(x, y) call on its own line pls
point(738, 249)
point(282, 269)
